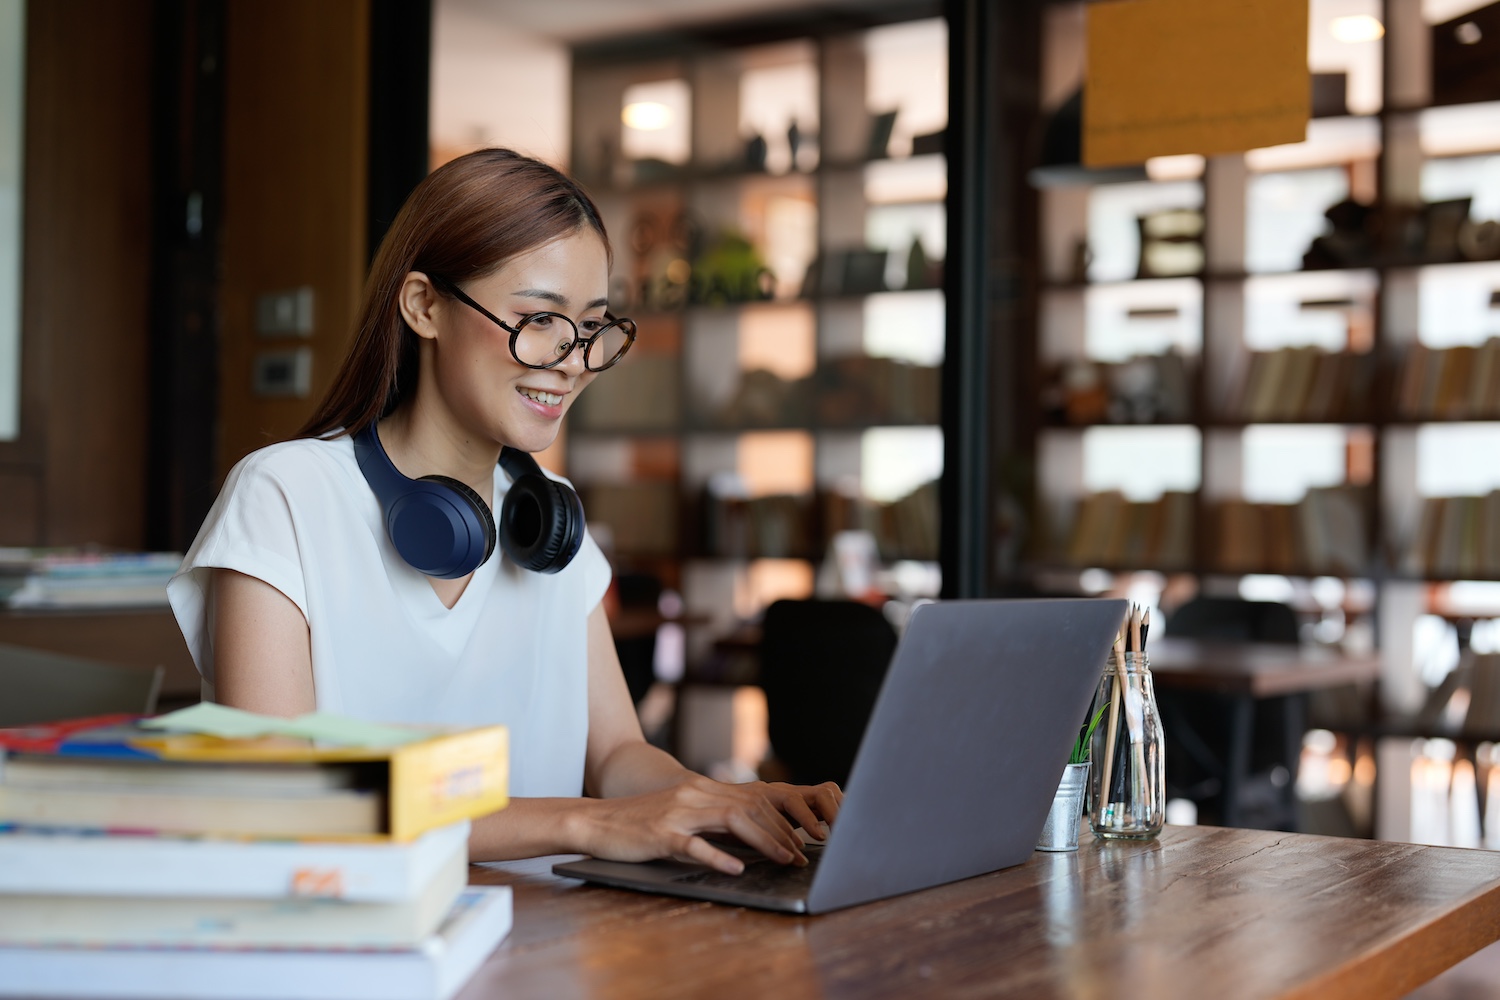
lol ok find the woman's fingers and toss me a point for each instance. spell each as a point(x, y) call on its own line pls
point(776, 847)
point(745, 811)
point(704, 853)
point(794, 805)
point(673, 822)
point(827, 797)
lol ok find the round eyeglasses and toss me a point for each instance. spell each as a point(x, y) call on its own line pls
point(545, 339)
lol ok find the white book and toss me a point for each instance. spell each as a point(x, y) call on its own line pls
point(38, 862)
point(479, 921)
point(172, 921)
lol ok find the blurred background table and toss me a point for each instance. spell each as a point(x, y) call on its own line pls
point(1203, 685)
point(1256, 669)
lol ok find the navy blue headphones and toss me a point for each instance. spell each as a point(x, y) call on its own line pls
point(442, 528)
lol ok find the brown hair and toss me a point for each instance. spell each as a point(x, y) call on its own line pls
point(465, 220)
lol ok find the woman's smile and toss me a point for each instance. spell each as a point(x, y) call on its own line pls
point(548, 404)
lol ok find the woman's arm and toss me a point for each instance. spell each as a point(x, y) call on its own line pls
point(649, 805)
point(262, 649)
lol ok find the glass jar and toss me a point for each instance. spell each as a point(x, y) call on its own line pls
point(1127, 783)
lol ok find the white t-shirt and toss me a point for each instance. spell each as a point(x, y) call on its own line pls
point(513, 650)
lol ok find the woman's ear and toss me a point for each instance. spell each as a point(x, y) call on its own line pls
point(419, 304)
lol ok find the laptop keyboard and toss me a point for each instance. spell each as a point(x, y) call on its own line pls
point(761, 875)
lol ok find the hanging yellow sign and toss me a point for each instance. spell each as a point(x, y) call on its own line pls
point(1193, 76)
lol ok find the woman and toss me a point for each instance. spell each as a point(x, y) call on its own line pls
point(484, 317)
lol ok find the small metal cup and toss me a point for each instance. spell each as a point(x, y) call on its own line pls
point(1060, 832)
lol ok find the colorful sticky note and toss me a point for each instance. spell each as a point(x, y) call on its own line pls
point(208, 719)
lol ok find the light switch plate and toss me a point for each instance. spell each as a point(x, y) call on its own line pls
point(285, 313)
point(283, 373)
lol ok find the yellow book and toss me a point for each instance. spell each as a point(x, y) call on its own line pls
point(423, 778)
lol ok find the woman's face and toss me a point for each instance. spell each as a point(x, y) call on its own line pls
point(481, 383)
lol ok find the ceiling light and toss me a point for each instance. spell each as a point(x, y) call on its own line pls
point(1356, 28)
point(646, 116)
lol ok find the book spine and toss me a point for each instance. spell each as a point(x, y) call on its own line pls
point(444, 780)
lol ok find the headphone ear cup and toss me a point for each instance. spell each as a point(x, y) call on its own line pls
point(541, 523)
point(439, 526)
point(481, 510)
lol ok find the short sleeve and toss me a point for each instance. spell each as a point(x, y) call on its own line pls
point(595, 570)
point(251, 529)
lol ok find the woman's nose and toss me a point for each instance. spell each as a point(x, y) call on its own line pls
point(573, 363)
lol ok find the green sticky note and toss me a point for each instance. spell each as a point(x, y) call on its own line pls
point(216, 720)
point(208, 719)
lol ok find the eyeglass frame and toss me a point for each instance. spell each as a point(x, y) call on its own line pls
point(623, 322)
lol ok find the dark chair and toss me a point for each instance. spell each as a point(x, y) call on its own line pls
point(1233, 619)
point(1235, 758)
point(637, 652)
point(821, 665)
point(37, 686)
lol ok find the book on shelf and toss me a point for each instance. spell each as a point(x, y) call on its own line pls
point(434, 970)
point(1304, 384)
point(64, 579)
point(1289, 402)
point(909, 529)
point(1110, 530)
point(1456, 537)
point(1323, 533)
point(1450, 383)
point(1262, 397)
point(359, 780)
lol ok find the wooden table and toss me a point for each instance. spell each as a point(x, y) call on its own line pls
point(1251, 672)
point(1255, 669)
point(1203, 911)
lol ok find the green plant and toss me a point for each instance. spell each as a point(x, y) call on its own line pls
point(1080, 754)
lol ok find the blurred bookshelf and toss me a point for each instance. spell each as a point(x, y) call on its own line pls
point(1277, 375)
point(778, 214)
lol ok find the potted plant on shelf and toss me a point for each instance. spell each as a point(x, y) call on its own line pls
point(1060, 832)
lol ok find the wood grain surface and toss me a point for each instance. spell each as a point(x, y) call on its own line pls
point(1202, 912)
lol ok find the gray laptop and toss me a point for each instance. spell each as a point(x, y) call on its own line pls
point(957, 768)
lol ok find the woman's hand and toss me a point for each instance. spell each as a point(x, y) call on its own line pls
point(670, 822)
point(812, 807)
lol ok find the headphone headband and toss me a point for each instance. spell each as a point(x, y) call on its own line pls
point(442, 528)
point(439, 526)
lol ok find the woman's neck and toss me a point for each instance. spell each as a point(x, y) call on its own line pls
point(421, 445)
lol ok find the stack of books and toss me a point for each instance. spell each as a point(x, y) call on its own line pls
point(57, 580)
point(211, 853)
